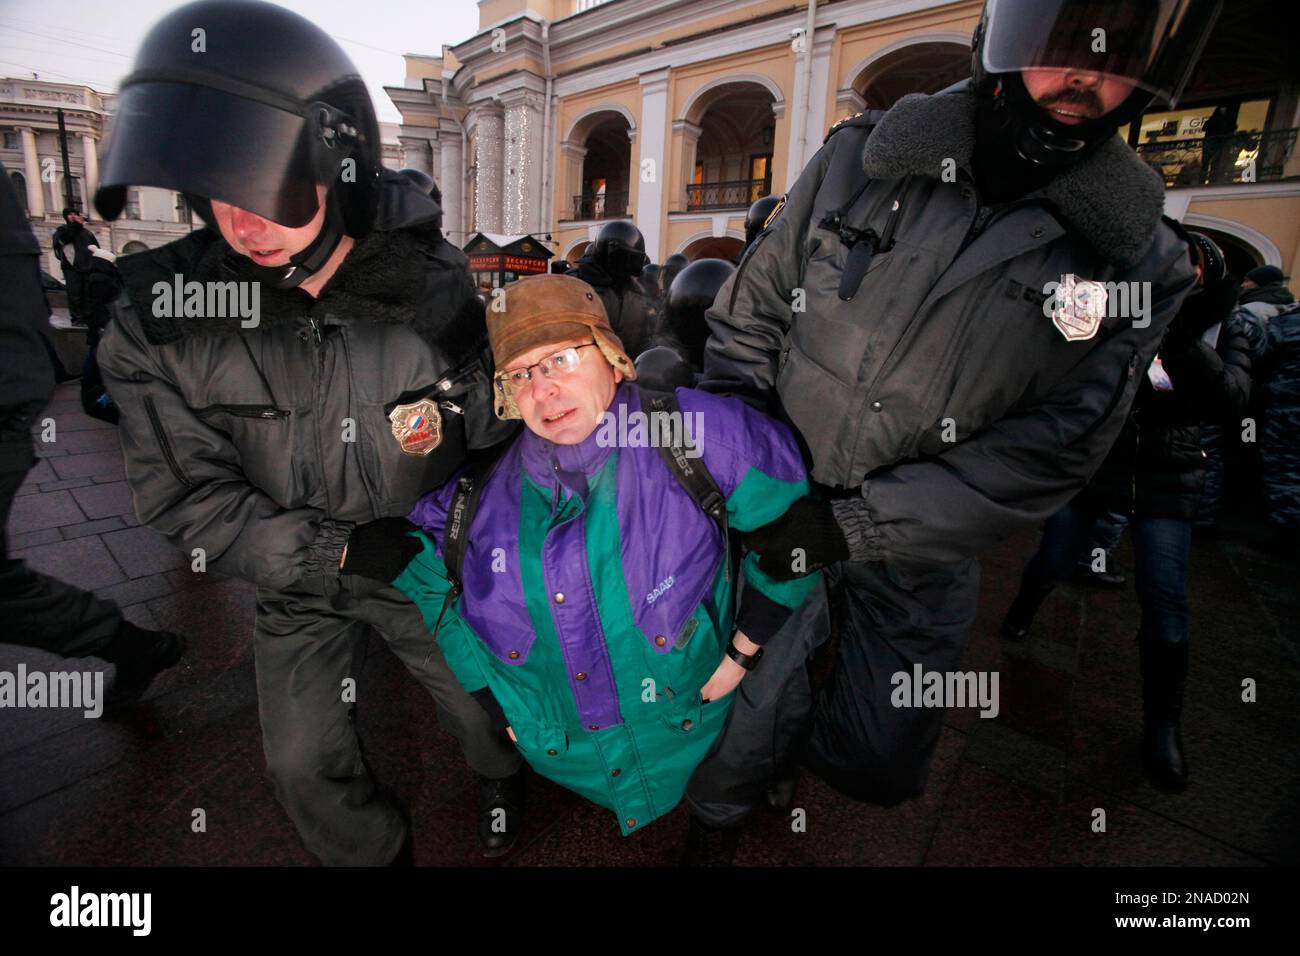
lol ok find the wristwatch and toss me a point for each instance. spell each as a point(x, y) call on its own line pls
point(747, 661)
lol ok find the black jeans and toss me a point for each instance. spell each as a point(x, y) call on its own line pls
point(888, 615)
point(304, 647)
point(42, 612)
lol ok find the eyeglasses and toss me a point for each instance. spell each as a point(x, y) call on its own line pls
point(563, 363)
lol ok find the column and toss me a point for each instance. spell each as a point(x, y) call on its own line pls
point(522, 183)
point(32, 170)
point(813, 122)
point(651, 175)
point(573, 155)
point(687, 134)
point(489, 159)
point(452, 182)
point(90, 167)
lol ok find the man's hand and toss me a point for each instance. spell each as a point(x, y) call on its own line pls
point(805, 539)
point(728, 675)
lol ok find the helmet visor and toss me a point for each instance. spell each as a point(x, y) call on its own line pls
point(199, 140)
point(1151, 44)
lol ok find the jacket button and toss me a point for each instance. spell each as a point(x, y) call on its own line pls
point(687, 724)
point(580, 675)
point(631, 822)
point(559, 597)
point(593, 726)
point(1038, 232)
point(876, 406)
point(552, 752)
point(615, 772)
point(660, 640)
point(514, 655)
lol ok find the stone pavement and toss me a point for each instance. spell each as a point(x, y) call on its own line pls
point(1019, 789)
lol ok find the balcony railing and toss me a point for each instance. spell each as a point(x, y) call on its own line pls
point(737, 194)
point(600, 206)
point(1213, 160)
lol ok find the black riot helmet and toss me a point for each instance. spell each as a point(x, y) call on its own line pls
point(689, 297)
point(672, 266)
point(1152, 45)
point(253, 105)
point(1207, 257)
point(620, 249)
point(758, 215)
point(661, 369)
point(423, 182)
point(650, 280)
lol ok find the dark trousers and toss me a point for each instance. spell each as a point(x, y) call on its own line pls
point(42, 612)
point(304, 648)
point(1161, 547)
point(767, 724)
point(889, 616)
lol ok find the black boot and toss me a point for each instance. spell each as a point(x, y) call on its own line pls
point(140, 656)
point(500, 813)
point(1020, 616)
point(710, 846)
point(1164, 677)
point(779, 795)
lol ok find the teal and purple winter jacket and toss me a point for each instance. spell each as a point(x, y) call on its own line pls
point(597, 601)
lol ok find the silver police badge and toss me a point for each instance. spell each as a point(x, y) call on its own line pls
point(1079, 308)
point(417, 427)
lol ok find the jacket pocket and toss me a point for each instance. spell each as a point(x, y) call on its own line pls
point(263, 435)
point(160, 433)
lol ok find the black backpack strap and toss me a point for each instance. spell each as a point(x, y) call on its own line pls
point(691, 473)
point(460, 516)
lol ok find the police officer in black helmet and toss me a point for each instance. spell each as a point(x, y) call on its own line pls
point(612, 267)
point(931, 309)
point(757, 218)
point(683, 327)
point(329, 370)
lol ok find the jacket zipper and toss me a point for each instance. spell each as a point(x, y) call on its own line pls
point(316, 377)
point(247, 411)
point(161, 435)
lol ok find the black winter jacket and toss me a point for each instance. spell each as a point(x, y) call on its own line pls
point(26, 375)
point(1157, 468)
point(265, 446)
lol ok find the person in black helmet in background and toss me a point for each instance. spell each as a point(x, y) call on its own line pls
point(756, 220)
point(930, 309)
point(683, 327)
point(612, 266)
point(285, 436)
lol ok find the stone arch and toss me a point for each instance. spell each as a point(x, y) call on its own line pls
point(712, 91)
point(1260, 245)
point(694, 245)
point(859, 81)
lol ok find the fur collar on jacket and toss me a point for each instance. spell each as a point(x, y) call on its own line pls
point(1111, 197)
point(402, 276)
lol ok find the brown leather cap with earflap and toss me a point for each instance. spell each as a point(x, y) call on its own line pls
point(546, 310)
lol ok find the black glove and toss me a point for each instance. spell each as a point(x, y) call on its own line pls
point(380, 549)
point(808, 524)
point(496, 716)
